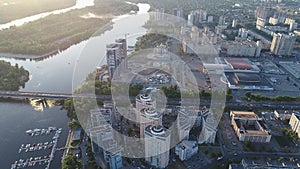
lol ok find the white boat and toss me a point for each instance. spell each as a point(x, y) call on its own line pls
point(36, 130)
point(29, 131)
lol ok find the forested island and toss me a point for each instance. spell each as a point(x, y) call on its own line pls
point(58, 32)
point(11, 10)
point(12, 77)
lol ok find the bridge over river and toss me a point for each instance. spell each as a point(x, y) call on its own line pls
point(42, 95)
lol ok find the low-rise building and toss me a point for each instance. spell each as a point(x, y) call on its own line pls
point(282, 114)
point(263, 164)
point(186, 149)
point(249, 127)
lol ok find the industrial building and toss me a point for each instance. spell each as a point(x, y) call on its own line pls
point(247, 81)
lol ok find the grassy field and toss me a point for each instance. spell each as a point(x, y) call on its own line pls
point(58, 32)
point(11, 10)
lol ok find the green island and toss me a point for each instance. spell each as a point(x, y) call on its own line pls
point(19, 8)
point(12, 77)
point(58, 32)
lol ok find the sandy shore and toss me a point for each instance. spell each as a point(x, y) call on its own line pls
point(27, 56)
point(19, 56)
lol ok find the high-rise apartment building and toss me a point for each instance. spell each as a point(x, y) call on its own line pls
point(157, 146)
point(282, 44)
point(149, 116)
point(116, 53)
point(144, 101)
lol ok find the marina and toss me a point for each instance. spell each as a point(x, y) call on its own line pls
point(31, 147)
point(37, 132)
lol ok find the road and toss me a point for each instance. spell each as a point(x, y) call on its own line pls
point(188, 102)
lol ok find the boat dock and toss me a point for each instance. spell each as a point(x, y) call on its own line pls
point(42, 160)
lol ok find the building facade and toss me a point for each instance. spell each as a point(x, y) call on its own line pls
point(249, 127)
point(103, 141)
point(186, 149)
point(295, 123)
point(157, 146)
point(149, 116)
point(116, 53)
point(282, 44)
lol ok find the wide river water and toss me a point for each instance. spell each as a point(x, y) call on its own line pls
point(54, 74)
point(15, 119)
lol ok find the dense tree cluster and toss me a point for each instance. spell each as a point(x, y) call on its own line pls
point(12, 77)
point(290, 133)
point(71, 162)
point(150, 40)
point(257, 97)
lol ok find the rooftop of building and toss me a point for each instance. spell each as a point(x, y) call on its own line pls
point(144, 98)
point(247, 79)
point(186, 144)
point(285, 163)
point(244, 114)
point(242, 42)
point(111, 146)
point(76, 134)
point(156, 131)
point(151, 113)
point(292, 67)
point(183, 121)
point(239, 63)
point(283, 112)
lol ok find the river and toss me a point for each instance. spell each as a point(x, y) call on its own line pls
point(16, 118)
point(54, 74)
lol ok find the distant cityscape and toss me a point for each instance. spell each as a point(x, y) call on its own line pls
point(249, 61)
